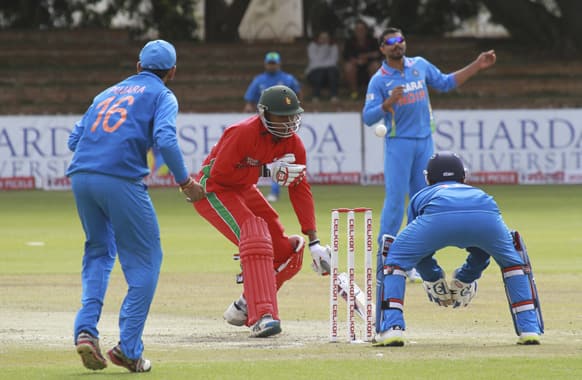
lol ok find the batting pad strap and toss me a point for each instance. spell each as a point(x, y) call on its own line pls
point(516, 270)
point(393, 303)
point(393, 270)
point(387, 241)
point(518, 307)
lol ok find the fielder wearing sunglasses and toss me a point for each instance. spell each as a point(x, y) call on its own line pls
point(398, 98)
point(394, 40)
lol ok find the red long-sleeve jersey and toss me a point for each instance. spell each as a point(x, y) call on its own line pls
point(235, 164)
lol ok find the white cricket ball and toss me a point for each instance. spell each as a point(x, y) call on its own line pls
point(380, 130)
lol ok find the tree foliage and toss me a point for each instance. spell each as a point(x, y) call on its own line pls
point(172, 19)
point(543, 23)
point(222, 19)
point(30, 13)
point(414, 16)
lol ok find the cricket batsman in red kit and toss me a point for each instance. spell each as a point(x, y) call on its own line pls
point(266, 144)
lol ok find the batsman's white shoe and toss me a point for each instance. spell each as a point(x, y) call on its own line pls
point(266, 326)
point(413, 276)
point(529, 339)
point(461, 292)
point(88, 348)
point(236, 313)
point(272, 198)
point(393, 337)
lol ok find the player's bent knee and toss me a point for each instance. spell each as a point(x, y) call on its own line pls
point(298, 246)
point(293, 264)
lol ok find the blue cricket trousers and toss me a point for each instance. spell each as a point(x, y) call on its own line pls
point(483, 233)
point(118, 217)
point(404, 163)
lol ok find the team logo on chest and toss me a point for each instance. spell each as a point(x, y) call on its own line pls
point(248, 162)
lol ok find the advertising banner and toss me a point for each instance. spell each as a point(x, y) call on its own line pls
point(500, 146)
point(36, 147)
point(504, 146)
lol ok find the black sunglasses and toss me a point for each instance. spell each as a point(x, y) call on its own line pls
point(394, 40)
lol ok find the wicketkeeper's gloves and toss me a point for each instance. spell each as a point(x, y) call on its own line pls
point(438, 292)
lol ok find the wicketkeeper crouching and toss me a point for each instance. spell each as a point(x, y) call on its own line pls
point(450, 213)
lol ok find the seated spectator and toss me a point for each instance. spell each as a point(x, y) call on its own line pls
point(322, 71)
point(361, 58)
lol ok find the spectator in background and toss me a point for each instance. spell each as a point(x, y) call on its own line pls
point(361, 58)
point(272, 76)
point(322, 54)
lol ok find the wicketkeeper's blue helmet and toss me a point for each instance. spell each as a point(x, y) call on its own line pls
point(444, 166)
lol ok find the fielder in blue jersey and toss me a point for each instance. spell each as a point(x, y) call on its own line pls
point(272, 76)
point(451, 213)
point(110, 145)
point(398, 97)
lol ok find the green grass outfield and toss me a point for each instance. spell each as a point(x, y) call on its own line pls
point(185, 337)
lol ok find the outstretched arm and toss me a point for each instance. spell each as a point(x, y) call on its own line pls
point(483, 61)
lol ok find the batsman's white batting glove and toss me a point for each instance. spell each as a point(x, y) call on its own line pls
point(285, 172)
point(438, 292)
point(321, 263)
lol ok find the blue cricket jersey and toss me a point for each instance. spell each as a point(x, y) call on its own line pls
point(266, 80)
point(451, 214)
point(122, 124)
point(411, 117)
point(450, 196)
